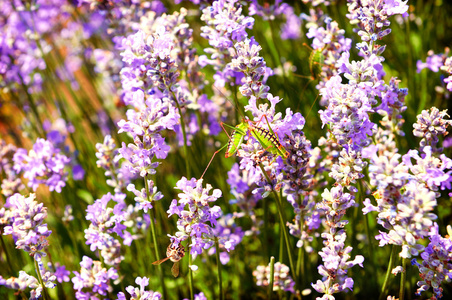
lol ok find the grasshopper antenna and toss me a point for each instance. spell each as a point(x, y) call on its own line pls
point(235, 104)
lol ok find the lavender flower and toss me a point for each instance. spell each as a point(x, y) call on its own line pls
point(372, 18)
point(348, 112)
point(243, 183)
point(93, 280)
point(140, 293)
point(28, 228)
point(436, 266)
point(199, 296)
point(268, 12)
point(145, 127)
point(408, 220)
point(436, 62)
point(109, 159)
point(142, 198)
point(25, 281)
point(225, 27)
point(246, 59)
point(292, 28)
point(11, 183)
point(67, 217)
point(195, 214)
point(281, 280)
point(227, 230)
point(307, 218)
point(433, 62)
point(432, 171)
point(349, 168)
point(61, 274)
point(330, 41)
point(431, 125)
point(334, 254)
point(104, 222)
point(226, 24)
point(42, 165)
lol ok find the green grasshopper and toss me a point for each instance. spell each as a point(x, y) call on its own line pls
point(267, 138)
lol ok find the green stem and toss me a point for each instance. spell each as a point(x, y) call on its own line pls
point(272, 277)
point(301, 264)
point(266, 226)
point(301, 257)
point(388, 272)
point(154, 241)
point(283, 223)
point(44, 289)
point(220, 279)
point(33, 107)
point(190, 276)
point(402, 280)
point(281, 244)
point(6, 253)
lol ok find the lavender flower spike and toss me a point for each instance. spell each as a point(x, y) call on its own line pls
point(196, 218)
point(140, 293)
point(27, 228)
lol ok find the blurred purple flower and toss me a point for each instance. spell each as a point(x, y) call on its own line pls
point(23, 282)
point(42, 165)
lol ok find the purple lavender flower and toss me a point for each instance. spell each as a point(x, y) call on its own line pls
point(225, 27)
point(246, 59)
point(436, 62)
point(448, 68)
point(408, 220)
point(349, 168)
point(268, 12)
point(28, 228)
point(104, 222)
point(433, 62)
point(335, 255)
point(67, 217)
point(392, 106)
point(61, 274)
point(436, 265)
point(199, 296)
point(372, 18)
point(226, 24)
point(197, 220)
point(25, 281)
point(430, 125)
point(227, 231)
point(109, 158)
point(93, 280)
point(140, 293)
point(141, 197)
point(348, 112)
point(434, 172)
point(242, 183)
point(145, 127)
point(11, 183)
point(330, 41)
point(291, 30)
point(42, 165)
point(282, 280)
